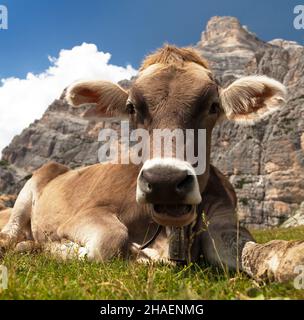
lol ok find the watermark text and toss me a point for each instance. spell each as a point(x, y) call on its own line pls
point(3, 17)
point(299, 279)
point(137, 146)
point(298, 21)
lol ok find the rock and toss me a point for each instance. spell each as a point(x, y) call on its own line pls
point(61, 135)
point(265, 162)
point(228, 47)
point(297, 219)
point(7, 201)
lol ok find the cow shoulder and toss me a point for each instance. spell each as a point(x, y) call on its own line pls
point(48, 172)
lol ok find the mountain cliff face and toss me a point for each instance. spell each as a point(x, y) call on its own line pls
point(264, 162)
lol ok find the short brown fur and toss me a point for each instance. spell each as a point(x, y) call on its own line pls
point(173, 55)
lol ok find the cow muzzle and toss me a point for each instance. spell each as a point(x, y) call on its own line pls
point(171, 189)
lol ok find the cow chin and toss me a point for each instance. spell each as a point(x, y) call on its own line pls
point(173, 215)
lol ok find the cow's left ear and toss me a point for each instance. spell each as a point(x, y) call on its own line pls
point(108, 99)
point(251, 98)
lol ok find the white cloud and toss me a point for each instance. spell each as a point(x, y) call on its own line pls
point(24, 100)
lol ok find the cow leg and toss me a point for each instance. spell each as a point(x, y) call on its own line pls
point(147, 255)
point(19, 222)
point(276, 260)
point(99, 232)
point(234, 248)
point(64, 250)
point(222, 244)
point(20, 216)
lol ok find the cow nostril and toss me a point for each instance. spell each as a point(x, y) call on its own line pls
point(161, 181)
point(144, 182)
point(185, 184)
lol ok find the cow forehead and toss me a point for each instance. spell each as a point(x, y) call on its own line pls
point(186, 66)
point(186, 81)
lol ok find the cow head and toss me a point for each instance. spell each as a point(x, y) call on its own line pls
point(175, 89)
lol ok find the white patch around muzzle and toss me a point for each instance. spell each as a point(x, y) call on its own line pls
point(192, 198)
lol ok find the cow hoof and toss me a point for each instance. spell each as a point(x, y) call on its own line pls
point(147, 255)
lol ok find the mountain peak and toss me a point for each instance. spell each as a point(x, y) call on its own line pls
point(227, 30)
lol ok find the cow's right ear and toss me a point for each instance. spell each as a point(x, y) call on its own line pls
point(109, 99)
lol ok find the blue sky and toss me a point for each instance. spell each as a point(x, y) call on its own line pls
point(51, 43)
point(127, 29)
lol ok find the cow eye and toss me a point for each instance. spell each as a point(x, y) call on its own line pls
point(214, 108)
point(130, 108)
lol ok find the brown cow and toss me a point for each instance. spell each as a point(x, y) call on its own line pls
point(108, 209)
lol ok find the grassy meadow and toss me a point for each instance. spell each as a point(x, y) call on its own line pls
point(38, 276)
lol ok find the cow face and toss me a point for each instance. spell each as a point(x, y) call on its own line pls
point(176, 90)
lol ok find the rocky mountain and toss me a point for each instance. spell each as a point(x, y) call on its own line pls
point(264, 162)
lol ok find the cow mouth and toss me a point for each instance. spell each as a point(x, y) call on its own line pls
point(176, 215)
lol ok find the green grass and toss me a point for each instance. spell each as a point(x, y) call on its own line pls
point(41, 277)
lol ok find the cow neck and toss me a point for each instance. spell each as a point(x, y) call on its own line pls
point(149, 242)
point(180, 241)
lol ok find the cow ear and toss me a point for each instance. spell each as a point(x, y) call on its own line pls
point(108, 99)
point(251, 98)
